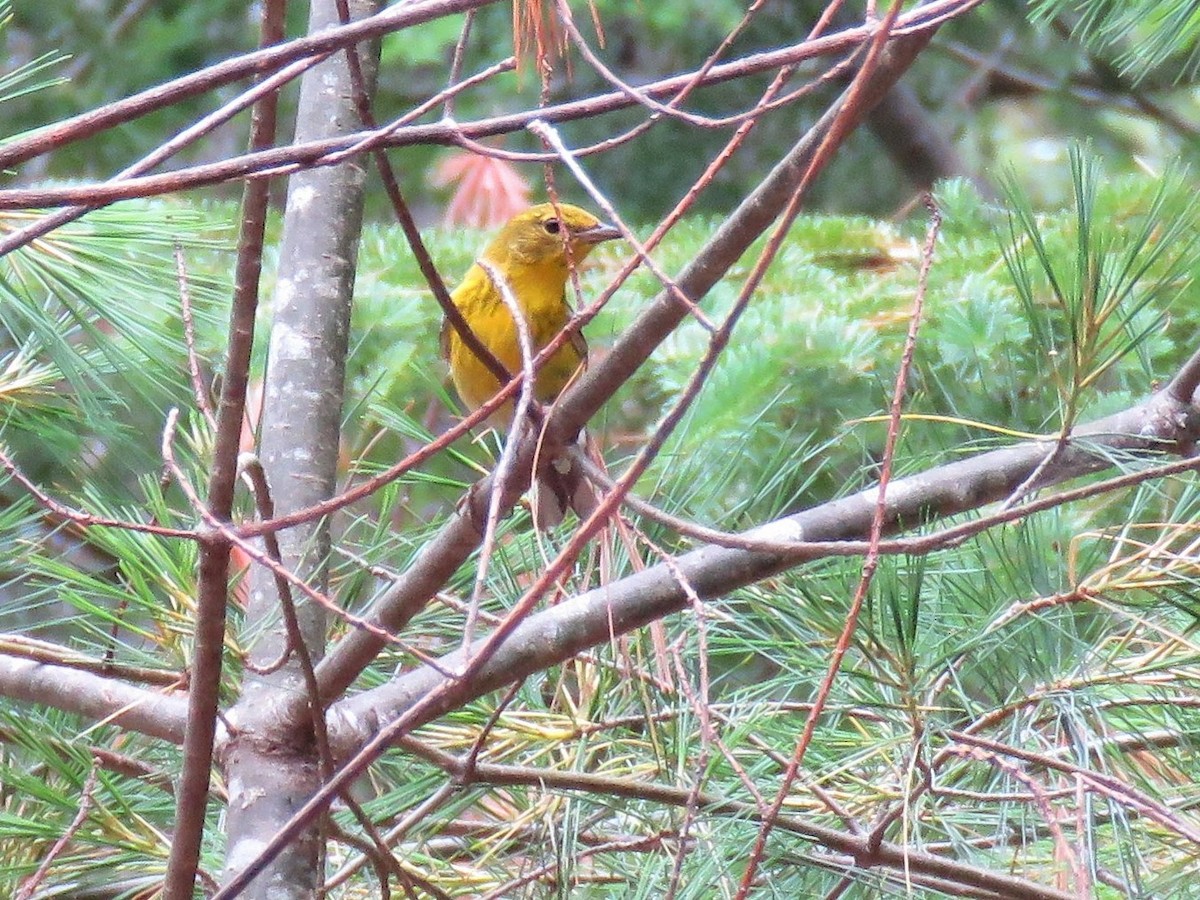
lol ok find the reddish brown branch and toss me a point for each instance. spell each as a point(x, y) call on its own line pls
point(213, 576)
point(850, 110)
point(81, 518)
point(22, 236)
point(85, 806)
point(887, 856)
point(258, 63)
point(284, 160)
point(1113, 788)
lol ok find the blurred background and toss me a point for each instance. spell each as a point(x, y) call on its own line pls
point(999, 88)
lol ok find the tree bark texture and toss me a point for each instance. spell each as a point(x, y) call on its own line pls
point(272, 770)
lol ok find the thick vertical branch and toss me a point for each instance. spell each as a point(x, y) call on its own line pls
point(270, 774)
point(213, 576)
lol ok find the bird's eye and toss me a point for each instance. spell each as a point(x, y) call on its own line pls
point(552, 226)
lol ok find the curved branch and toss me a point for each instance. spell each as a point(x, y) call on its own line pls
point(918, 25)
point(593, 618)
point(97, 698)
point(257, 63)
point(886, 855)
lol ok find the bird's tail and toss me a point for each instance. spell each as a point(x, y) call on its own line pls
point(560, 486)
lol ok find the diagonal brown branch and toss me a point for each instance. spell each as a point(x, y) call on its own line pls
point(258, 63)
point(593, 618)
point(885, 856)
point(453, 545)
point(285, 160)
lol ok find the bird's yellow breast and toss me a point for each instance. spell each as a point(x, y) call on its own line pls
point(531, 257)
point(540, 296)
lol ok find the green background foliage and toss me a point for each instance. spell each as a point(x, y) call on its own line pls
point(1007, 89)
point(1018, 336)
point(780, 425)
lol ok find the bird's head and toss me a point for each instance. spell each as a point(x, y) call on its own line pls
point(542, 233)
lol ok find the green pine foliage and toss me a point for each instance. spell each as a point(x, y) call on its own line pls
point(1140, 35)
point(1066, 633)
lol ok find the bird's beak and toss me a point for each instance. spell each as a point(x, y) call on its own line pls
point(597, 234)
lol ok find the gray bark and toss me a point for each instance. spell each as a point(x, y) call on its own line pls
point(272, 765)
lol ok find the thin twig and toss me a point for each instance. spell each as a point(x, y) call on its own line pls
point(1116, 790)
point(256, 63)
point(396, 834)
point(85, 519)
point(234, 536)
point(551, 137)
point(85, 805)
point(456, 61)
point(282, 161)
point(699, 700)
point(199, 391)
point(24, 647)
point(22, 236)
point(505, 464)
point(887, 856)
point(877, 522)
point(213, 573)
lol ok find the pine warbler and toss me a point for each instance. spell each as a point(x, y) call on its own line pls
point(533, 255)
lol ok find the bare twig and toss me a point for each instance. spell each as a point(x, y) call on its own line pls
point(257, 63)
point(891, 856)
point(234, 536)
point(85, 805)
point(504, 465)
point(1116, 790)
point(85, 519)
point(282, 161)
point(199, 391)
point(839, 127)
point(213, 575)
point(31, 232)
point(24, 647)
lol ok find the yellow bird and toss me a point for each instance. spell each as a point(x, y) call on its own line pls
point(533, 254)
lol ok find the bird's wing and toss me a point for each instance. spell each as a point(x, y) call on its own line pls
point(578, 341)
point(580, 345)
